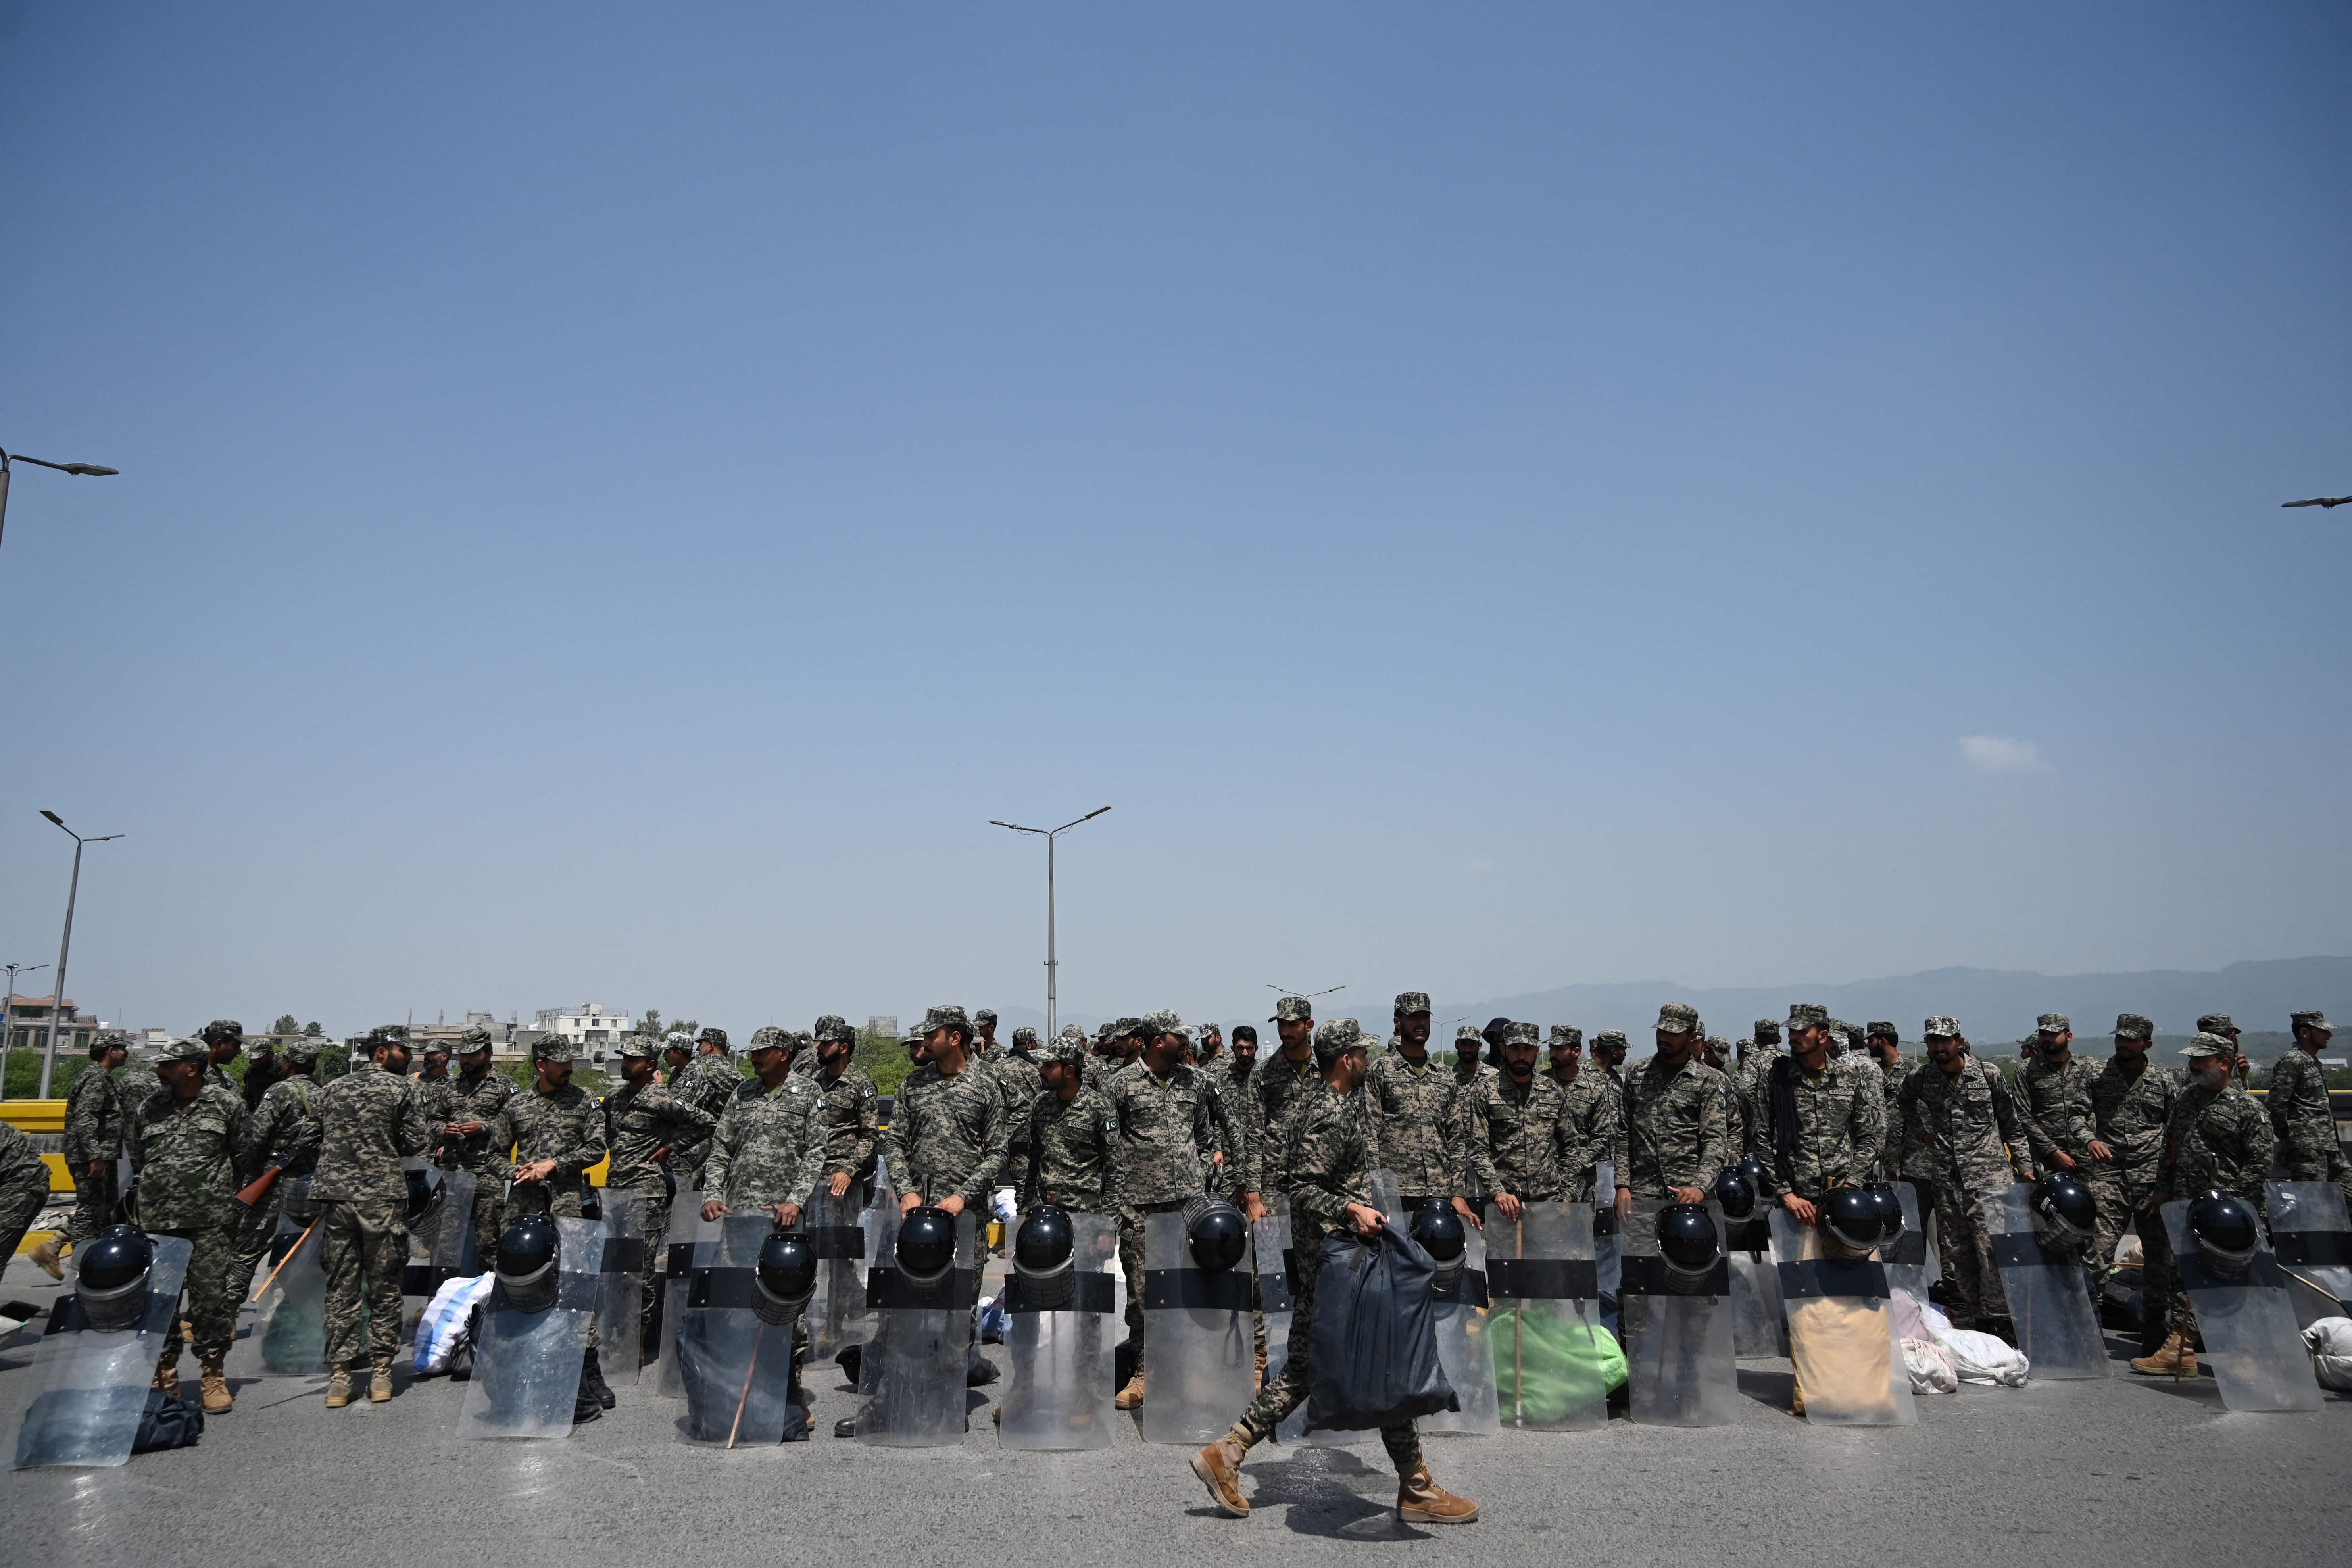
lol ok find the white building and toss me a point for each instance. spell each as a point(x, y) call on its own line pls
point(592, 1024)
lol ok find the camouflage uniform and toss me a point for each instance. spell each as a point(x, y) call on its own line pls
point(708, 1083)
point(946, 1136)
point(1981, 1147)
point(1748, 1081)
point(853, 1122)
point(1232, 1109)
point(1838, 1131)
point(1330, 1162)
point(768, 1147)
point(24, 1187)
point(93, 1137)
point(184, 1157)
point(368, 1122)
point(2057, 1106)
point(1274, 1087)
point(640, 1121)
point(2300, 1117)
point(1594, 1132)
point(1018, 1070)
point(2217, 1140)
point(1414, 1123)
point(136, 1083)
point(1070, 1143)
point(567, 1127)
point(475, 1098)
point(2129, 1109)
point(1163, 1138)
point(281, 1129)
point(1678, 1124)
point(1515, 1136)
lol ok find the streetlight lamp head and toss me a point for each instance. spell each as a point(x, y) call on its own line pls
point(53, 817)
point(93, 469)
point(1095, 812)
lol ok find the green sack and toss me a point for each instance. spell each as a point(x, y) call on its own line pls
point(1546, 1367)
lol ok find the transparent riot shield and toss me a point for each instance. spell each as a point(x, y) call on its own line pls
point(1909, 1262)
point(1201, 1365)
point(735, 1349)
point(85, 1390)
point(1679, 1355)
point(910, 1382)
point(1760, 1325)
point(690, 1243)
point(527, 1365)
point(620, 1292)
point(1545, 1335)
point(2049, 1293)
point(2252, 1343)
point(841, 1231)
point(1607, 1269)
point(1840, 1331)
point(1275, 1267)
point(1464, 1317)
point(1061, 1354)
point(2312, 1240)
point(456, 1249)
point(293, 1309)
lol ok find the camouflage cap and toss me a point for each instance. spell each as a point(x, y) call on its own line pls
point(1166, 1021)
point(1565, 1038)
point(1609, 1039)
point(1802, 1015)
point(985, 1016)
point(2054, 1024)
point(555, 1048)
point(2310, 1021)
point(2205, 1044)
point(1839, 1028)
point(1063, 1049)
point(766, 1037)
point(1293, 1010)
point(1336, 1038)
point(2216, 1024)
point(1768, 1031)
point(191, 1050)
point(303, 1052)
point(715, 1035)
point(946, 1016)
point(1468, 1035)
point(473, 1039)
point(1718, 1043)
point(834, 1027)
point(1072, 1032)
point(1677, 1018)
point(1520, 1034)
point(221, 1029)
point(1412, 1002)
point(1940, 1027)
point(641, 1047)
point(677, 1041)
point(2132, 1027)
point(1025, 1036)
point(438, 1047)
point(1879, 1029)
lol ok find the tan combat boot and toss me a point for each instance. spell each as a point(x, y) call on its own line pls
point(338, 1388)
point(46, 1254)
point(2174, 1360)
point(380, 1382)
point(1797, 1394)
point(167, 1375)
point(1219, 1466)
point(215, 1383)
point(1421, 1501)
point(1133, 1395)
point(1261, 1367)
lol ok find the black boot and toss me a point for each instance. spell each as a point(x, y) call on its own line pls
point(591, 1383)
point(979, 1371)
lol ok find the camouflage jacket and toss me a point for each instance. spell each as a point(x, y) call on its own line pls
point(1329, 1158)
point(284, 1129)
point(1018, 1072)
point(1840, 1125)
point(94, 1119)
point(2216, 1138)
point(1971, 1118)
point(1748, 1080)
point(1414, 1122)
point(1595, 1134)
point(1229, 1107)
point(1274, 1085)
point(21, 1164)
point(217, 1076)
point(2057, 1105)
point(853, 1122)
point(434, 1096)
point(1070, 1149)
point(710, 1083)
point(471, 1099)
point(769, 1145)
point(2130, 1112)
point(1164, 1135)
point(567, 1127)
point(641, 1119)
point(186, 1157)
point(2299, 1118)
point(1678, 1127)
point(369, 1121)
point(1515, 1136)
point(947, 1135)
point(136, 1084)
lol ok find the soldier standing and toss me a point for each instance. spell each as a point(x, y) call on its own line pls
point(1330, 1167)
point(1678, 1121)
point(1073, 1133)
point(556, 1130)
point(223, 1041)
point(282, 1132)
point(1416, 1126)
point(1515, 1137)
point(2131, 1101)
point(2220, 1024)
point(1755, 1061)
point(471, 1102)
point(947, 1137)
point(369, 1121)
point(1468, 1042)
point(183, 1155)
point(2218, 1140)
point(768, 1147)
point(1016, 1068)
point(2054, 1094)
point(1593, 1133)
point(644, 1127)
point(434, 1088)
point(23, 1188)
point(1959, 1105)
point(853, 1109)
point(93, 1139)
point(1273, 1087)
point(710, 1083)
point(1608, 1048)
point(2300, 1117)
point(1164, 1141)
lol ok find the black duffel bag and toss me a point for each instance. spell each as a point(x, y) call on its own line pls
point(1372, 1346)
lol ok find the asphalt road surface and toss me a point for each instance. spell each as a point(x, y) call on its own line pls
point(2126, 1471)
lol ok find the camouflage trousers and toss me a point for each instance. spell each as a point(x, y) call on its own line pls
point(95, 1198)
point(362, 1247)
point(656, 1227)
point(212, 1310)
point(20, 1200)
point(1965, 1227)
point(1131, 1224)
point(254, 1232)
point(1287, 1391)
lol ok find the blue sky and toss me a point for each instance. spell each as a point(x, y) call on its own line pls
point(613, 501)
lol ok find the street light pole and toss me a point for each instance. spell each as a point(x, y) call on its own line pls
point(65, 943)
point(90, 469)
point(7, 1029)
point(1053, 964)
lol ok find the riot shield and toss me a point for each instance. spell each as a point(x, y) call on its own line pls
point(910, 1382)
point(690, 1243)
point(1759, 1326)
point(2252, 1343)
point(456, 1249)
point(1062, 1350)
point(527, 1365)
point(86, 1388)
point(1274, 1267)
point(620, 1293)
point(2312, 1240)
point(1201, 1367)
point(2047, 1299)
point(1545, 1333)
point(1608, 1269)
point(1910, 1264)
point(844, 1234)
point(1463, 1317)
point(1677, 1327)
point(293, 1310)
point(1840, 1331)
point(735, 1347)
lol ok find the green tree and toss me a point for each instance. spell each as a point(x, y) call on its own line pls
point(312, 1030)
point(285, 1024)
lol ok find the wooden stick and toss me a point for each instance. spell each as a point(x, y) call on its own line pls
point(1519, 1324)
point(748, 1373)
point(282, 1262)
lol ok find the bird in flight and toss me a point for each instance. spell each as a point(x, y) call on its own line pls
point(2318, 501)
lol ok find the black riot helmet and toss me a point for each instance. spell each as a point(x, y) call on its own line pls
point(420, 1195)
point(1753, 1169)
point(1044, 1256)
point(110, 1277)
point(2227, 1232)
point(531, 1263)
point(1851, 1225)
point(927, 1250)
point(1732, 1191)
point(1217, 1232)
point(1439, 1231)
point(1688, 1247)
point(784, 1277)
point(2065, 1215)
point(1890, 1209)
